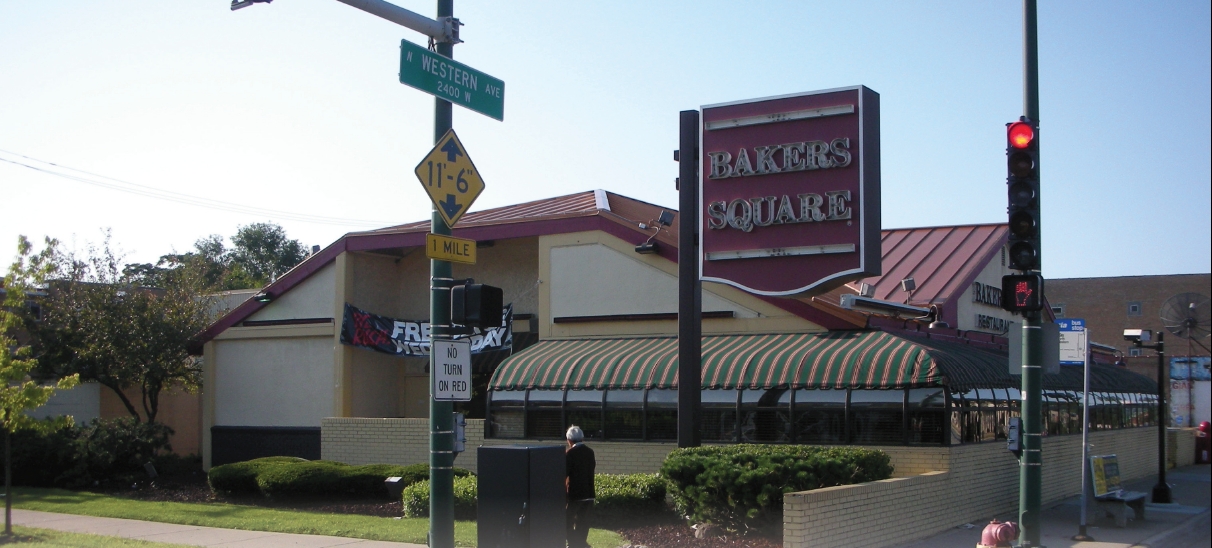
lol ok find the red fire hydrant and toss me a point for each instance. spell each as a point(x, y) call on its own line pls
point(998, 534)
point(1203, 444)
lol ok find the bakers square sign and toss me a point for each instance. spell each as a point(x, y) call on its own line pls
point(790, 192)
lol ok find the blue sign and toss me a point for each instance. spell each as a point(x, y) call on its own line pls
point(1071, 324)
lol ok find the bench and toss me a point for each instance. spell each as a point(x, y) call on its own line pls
point(1106, 495)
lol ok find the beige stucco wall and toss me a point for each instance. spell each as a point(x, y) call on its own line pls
point(596, 274)
point(309, 299)
point(273, 381)
point(967, 310)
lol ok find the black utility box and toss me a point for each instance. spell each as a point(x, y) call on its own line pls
point(521, 496)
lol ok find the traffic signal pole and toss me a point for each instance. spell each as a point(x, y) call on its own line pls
point(1031, 462)
point(441, 418)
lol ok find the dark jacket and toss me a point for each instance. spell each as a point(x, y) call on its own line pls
point(580, 464)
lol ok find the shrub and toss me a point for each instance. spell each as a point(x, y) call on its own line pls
point(240, 478)
point(627, 497)
point(416, 498)
point(39, 458)
point(104, 450)
point(742, 486)
point(291, 477)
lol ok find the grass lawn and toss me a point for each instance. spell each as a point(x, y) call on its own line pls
point(45, 538)
point(253, 518)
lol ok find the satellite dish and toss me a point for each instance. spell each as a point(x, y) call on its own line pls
point(1187, 315)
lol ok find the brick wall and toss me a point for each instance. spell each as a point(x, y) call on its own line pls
point(979, 482)
point(406, 441)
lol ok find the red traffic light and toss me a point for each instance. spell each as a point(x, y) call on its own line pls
point(1023, 292)
point(1020, 134)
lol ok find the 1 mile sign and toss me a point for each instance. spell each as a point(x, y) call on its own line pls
point(448, 79)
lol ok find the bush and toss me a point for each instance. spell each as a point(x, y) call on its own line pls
point(104, 450)
point(627, 497)
point(292, 477)
point(742, 486)
point(416, 498)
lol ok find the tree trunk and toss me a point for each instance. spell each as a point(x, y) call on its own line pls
point(130, 407)
point(8, 484)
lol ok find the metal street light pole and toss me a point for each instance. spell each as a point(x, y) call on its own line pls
point(1161, 491)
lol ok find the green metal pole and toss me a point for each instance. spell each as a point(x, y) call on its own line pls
point(441, 420)
point(1032, 461)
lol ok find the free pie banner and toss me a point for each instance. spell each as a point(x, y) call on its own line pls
point(790, 192)
point(411, 337)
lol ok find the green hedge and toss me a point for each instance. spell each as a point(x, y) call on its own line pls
point(619, 497)
point(742, 486)
point(99, 453)
point(416, 498)
point(287, 477)
point(626, 497)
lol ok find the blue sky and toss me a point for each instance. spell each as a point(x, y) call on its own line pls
point(296, 107)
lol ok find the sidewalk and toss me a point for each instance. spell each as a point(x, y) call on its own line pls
point(189, 535)
point(1186, 523)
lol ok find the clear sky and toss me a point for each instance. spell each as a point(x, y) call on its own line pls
point(293, 113)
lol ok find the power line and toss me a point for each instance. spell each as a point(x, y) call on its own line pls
point(111, 183)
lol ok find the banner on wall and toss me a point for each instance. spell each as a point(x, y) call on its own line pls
point(411, 338)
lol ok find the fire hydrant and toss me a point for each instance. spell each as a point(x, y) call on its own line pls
point(998, 534)
point(1203, 444)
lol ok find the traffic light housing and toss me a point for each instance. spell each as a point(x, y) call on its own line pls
point(1023, 292)
point(476, 305)
point(1022, 186)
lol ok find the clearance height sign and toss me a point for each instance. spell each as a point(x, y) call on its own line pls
point(790, 192)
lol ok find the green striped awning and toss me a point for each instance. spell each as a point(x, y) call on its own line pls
point(836, 359)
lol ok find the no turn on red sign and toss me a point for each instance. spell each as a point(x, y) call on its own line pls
point(451, 370)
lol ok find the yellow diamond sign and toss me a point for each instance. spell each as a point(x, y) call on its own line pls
point(450, 178)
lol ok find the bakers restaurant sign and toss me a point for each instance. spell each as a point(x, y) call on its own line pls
point(790, 192)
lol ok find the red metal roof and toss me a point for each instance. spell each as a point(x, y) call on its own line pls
point(942, 260)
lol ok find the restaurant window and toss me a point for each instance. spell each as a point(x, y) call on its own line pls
point(544, 414)
point(877, 417)
point(927, 415)
point(661, 414)
point(624, 415)
point(718, 415)
point(584, 408)
point(820, 417)
point(508, 411)
point(766, 416)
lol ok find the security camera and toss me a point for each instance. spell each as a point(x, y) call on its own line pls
point(1138, 336)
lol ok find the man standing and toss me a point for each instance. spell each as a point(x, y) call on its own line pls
point(579, 485)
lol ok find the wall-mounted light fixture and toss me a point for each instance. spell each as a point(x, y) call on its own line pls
point(649, 246)
point(263, 297)
point(884, 308)
point(908, 285)
point(865, 290)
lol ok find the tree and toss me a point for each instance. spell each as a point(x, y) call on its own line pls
point(18, 391)
point(264, 252)
point(99, 326)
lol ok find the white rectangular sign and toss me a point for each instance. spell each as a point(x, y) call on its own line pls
point(451, 370)
point(1072, 341)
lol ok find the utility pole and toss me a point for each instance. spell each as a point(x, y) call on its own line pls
point(441, 418)
point(1031, 463)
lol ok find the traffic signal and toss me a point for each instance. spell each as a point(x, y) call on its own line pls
point(476, 305)
point(1023, 292)
point(1022, 185)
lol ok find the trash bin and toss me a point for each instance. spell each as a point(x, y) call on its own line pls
point(521, 496)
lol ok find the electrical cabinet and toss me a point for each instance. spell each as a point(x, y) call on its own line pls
point(521, 496)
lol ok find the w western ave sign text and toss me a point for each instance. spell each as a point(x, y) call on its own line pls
point(448, 79)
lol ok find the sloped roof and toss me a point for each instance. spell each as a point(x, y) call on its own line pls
point(943, 260)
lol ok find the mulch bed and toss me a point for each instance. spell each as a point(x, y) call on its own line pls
point(193, 488)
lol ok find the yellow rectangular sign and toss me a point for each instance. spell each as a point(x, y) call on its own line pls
point(446, 248)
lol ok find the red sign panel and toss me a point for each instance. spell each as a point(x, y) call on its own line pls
point(790, 192)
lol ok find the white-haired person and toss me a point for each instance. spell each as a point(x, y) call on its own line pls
point(579, 462)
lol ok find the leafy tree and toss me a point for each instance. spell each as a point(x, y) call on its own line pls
point(18, 391)
point(264, 252)
point(98, 325)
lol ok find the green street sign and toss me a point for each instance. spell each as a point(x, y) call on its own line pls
point(451, 80)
